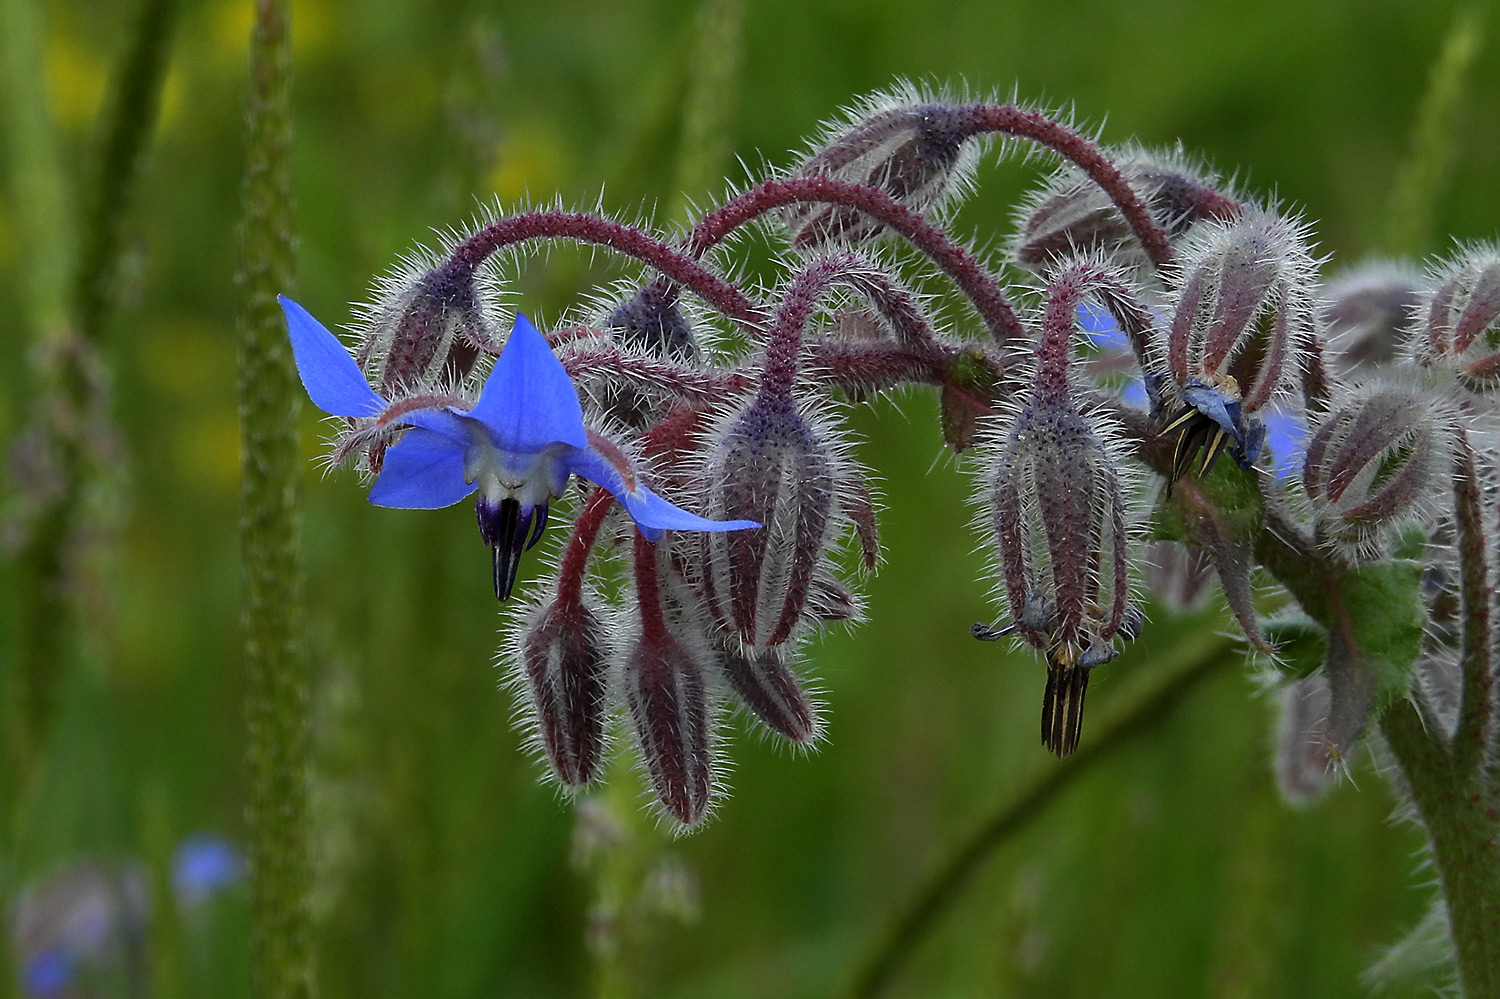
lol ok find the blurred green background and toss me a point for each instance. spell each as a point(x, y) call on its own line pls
point(444, 868)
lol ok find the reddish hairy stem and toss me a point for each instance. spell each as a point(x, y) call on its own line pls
point(576, 556)
point(648, 590)
point(982, 290)
point(1087, 156)
point(680, 267)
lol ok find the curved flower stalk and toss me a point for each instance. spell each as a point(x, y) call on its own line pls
point(516, 446)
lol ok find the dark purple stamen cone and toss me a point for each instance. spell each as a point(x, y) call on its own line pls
point(665, 694)
point(1062, 708)
point(768, 687)
point(566, 667)
point(509, 530)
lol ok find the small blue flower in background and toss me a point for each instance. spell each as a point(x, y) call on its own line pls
point(1286, 439)
point(516, 447)
point(204, 865)
point(1102, 328)
point(75, 932)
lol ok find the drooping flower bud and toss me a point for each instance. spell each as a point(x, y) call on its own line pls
point(1460, 327)
point(425, 332)
point(1244, 307)
point(910, 146)
point(1056, 505)
point(1072, 214)
point(1369, 312)
point(768, 686)
point(563, 651)
point(777, 459)
point(1377, 460)
point(653, 322)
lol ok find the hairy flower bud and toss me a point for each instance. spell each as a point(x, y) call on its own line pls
point(424, 333)
point(913, 148)
point(1071, 213)
point(1243, 310)
point(564, 655)
point(1057, 509)
point(652, 322)
point(775, 465)
point(1368, 313)
point(769, 688)
point(1378, 460)
point(1460, 330)
point(669, 712)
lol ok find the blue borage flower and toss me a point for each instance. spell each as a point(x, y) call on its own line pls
point(516, 447)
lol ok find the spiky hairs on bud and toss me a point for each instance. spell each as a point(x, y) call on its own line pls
point(425, 328)
point(1369, 312)
point(1459, 326)
point(561, 652)
point(1381, 457)
point(780, 461)
point(1243, 305)
point(1056, 509)
point(1071, 213)
point(914, 145)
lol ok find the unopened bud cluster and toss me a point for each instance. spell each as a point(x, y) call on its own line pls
point(1098, 487)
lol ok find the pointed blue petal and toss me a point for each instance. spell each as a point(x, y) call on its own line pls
point(1215, 405)
point(650, 510)
point(529, 402)
point(651, 513)
point(332, 379)
point(424, 471)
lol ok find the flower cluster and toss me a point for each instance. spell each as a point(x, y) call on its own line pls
point(1173, 320)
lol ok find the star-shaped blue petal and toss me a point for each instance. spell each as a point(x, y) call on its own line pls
point(516, 447)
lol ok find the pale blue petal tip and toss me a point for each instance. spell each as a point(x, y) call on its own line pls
point(332, 379)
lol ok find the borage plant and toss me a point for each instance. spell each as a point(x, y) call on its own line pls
point(1170, 320)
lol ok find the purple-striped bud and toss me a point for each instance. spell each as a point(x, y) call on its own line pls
point(1378, 460)
point(1057, 509)
point(1368, 313)
point(911, 147)
point(773, 463)
point(564, 656)
point(669, 712)
point(652, 322)
point(1243, 310)
point(424, 332)
point(768, 686)
point(1072, 214)
point(1460, 327)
